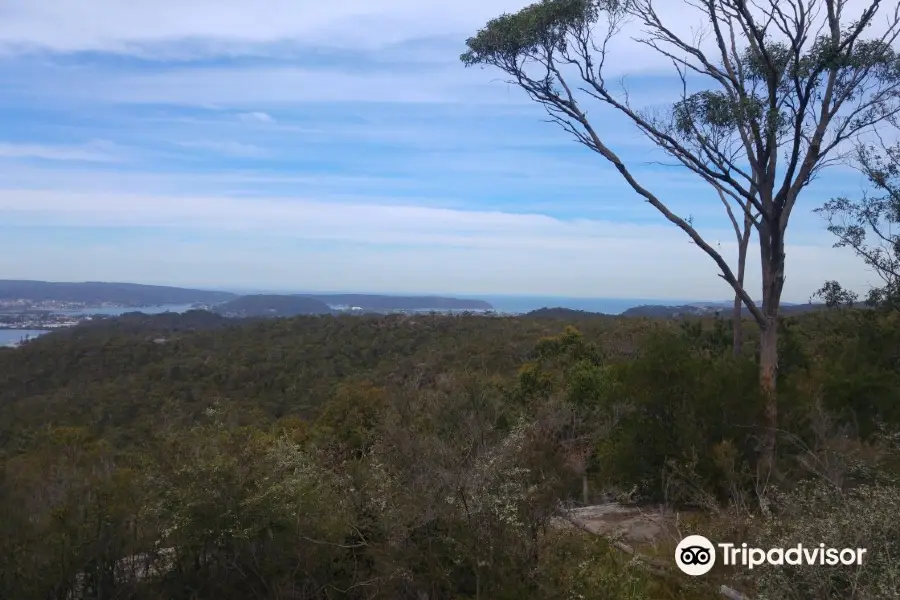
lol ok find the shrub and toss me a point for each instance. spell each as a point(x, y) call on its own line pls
point(680, 404)
point(817, 512)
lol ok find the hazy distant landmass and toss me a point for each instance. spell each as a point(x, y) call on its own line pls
point(660, 311)
point(564, 313)
point(289, 305)
point(273, 305)
point(708, 309)
point(609, 306)
point(98, 293)
point(94, 293)
point(380, 302)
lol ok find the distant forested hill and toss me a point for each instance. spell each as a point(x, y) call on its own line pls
point(265, 305)
point(132, 294)
point(290, 305)
point(564, 313)
point(662, 311)
point(151, 326)
point(94, 292)
point(699, 310)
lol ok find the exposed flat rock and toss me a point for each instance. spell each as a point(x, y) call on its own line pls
point(629, 524)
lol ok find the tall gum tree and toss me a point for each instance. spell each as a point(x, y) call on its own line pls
point(772, 92)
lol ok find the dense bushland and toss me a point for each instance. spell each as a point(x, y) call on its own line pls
point(425, 457)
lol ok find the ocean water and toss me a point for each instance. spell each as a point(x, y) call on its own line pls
point(11, 337)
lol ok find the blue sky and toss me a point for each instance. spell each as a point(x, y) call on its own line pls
point(336, 146)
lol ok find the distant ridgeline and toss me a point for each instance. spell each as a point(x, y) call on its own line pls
point(225, 303)
point(98, 293)
point(564, 313)
point(659, 311)
point(95, 294)
point(264, 305)
point(701, 310)
point(273, 305)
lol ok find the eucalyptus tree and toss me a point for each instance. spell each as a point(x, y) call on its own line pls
point(869, 225)
point(771, 93)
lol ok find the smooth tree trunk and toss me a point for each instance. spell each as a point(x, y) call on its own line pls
point(772, 255)
point(768, 377)
point(737, 317)
point(737, 327)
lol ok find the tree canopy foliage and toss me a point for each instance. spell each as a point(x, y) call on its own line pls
point(868, 226)
point(411, 457)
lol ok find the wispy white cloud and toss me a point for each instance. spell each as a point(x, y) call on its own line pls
point(172, 28)
point(529, 179)
point(255, 117)
point(458, 174)
point(112, 25)
point(523, 181)
point(341, 245)
point(264, 86)
point(200, 183)
point(94, 151)
point(227, 148)
point(316, 220)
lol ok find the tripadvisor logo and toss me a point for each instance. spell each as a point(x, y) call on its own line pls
point(696, 555)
